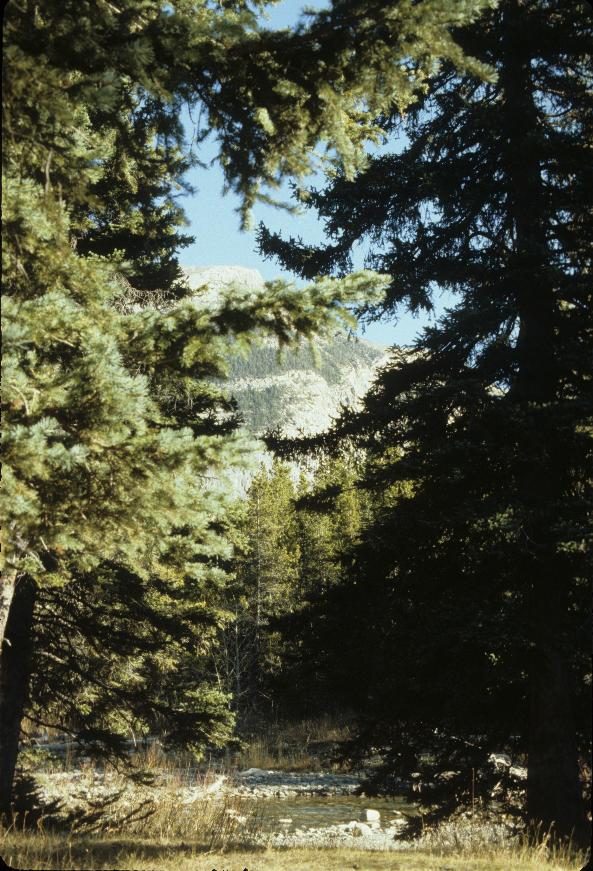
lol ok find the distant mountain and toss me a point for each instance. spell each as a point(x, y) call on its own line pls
point(294, 391)
point(298, 392)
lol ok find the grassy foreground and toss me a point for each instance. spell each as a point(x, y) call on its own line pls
point(48, 851)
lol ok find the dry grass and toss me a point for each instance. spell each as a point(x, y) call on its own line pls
point(51, 851)
point(262, 752)
point(214, 823)
point(104, 805)
point(293, 746)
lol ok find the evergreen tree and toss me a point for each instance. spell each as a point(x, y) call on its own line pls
point(475, 586)
point(141, 672)
point(265, 586)
point(328, 529)
point(288, 555)
point(331, 513)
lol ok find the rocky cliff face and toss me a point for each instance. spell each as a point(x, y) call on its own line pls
point(301, 391)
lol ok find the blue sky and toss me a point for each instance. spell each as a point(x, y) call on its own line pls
point(215, 223)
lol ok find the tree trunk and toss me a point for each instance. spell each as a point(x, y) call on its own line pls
point(15, 670)
point(554, 799)
point(7, 583)
point(553, 791)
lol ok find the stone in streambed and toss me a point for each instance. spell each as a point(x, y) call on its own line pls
point(255, 772)
point(501, 761)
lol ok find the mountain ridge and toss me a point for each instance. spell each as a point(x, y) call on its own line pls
point(300, 390)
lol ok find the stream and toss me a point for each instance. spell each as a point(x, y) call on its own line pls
point(316, 811)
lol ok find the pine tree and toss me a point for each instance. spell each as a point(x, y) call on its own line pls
point(325, 535)
point(289, 556)
point(331, 513)
point(265, 586)
point(476, 585)
point(120, 657)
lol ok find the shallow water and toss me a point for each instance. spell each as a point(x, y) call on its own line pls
point(316, 811)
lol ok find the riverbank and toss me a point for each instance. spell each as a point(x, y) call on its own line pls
point(81, 786)
point(255, 806)
point(255, 819)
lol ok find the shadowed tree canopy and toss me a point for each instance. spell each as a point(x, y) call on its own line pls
point(475, 584)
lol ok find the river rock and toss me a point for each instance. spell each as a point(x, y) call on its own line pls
point(369, 815)
point(255, 772)
point(501, 761)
